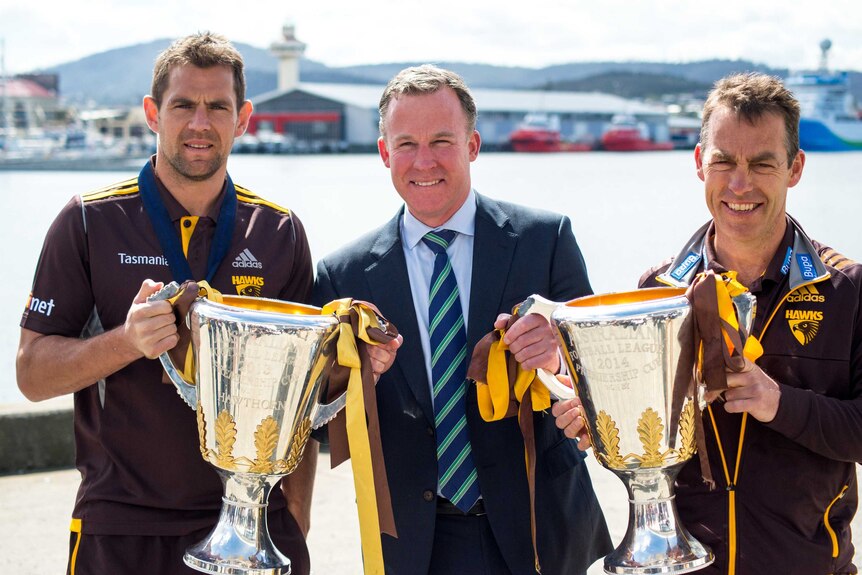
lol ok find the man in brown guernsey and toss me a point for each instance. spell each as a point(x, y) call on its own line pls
point(783, 438)
point(146, 494)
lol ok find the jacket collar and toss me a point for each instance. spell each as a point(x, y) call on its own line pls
point(801, 261)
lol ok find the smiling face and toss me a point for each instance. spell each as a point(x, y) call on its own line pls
point(197, 121)
point(746, 175)
point(428, 148)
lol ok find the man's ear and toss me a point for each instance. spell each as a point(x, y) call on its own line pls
point(698, 161)
point(384, 151)
point(151, 111)
point(243, 118)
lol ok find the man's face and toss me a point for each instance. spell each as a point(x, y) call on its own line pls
point(197, 121)
point(428, 149)
point(744, 167)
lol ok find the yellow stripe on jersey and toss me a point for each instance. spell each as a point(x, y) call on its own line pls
point(832, 258)
point(126, 187)
point(249, 197)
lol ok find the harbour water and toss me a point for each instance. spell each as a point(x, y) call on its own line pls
point(628, 211)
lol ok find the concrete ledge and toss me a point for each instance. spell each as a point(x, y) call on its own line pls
point(36, 437)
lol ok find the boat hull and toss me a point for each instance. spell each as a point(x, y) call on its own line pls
point(821, 136)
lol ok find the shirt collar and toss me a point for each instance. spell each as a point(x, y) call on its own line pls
point(775, 270)
point(175, 209)
point(463, 221)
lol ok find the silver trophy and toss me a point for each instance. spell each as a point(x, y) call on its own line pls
point(622, 351)
point(260, 366)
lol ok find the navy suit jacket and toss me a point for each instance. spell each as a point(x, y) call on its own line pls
point(517, 252)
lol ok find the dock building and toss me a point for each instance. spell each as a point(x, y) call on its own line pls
point(342, 117)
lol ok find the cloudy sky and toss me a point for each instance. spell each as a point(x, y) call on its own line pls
point(535, 33)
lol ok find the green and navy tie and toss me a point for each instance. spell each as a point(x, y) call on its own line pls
point(455, 467)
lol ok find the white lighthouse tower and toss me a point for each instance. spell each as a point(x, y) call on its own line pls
point(288, 51)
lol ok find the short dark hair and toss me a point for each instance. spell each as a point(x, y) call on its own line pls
point(203, 50)
point(427, 79)
point(750, 96)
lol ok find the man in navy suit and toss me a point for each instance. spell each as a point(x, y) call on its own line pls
point(499, 253)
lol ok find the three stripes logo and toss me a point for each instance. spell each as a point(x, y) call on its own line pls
point(247, 260)
point(804, 324)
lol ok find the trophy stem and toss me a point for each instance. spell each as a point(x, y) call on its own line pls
point(655, 541)
point(240, 543)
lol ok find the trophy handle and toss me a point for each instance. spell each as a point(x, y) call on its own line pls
point(323, 414)
point(186, 390)
point(538, 305)
point(746, 307)
point(544, 307)
point(556, 389)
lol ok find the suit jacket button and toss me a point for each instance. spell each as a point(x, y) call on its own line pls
point(428, 495)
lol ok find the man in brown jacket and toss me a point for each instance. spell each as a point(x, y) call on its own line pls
point(789, 426)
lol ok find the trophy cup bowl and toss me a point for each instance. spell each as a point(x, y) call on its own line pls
point(622, 352)
point(260, 366)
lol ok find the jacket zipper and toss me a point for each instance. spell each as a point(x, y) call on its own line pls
point(828, 526)
point(731, 484)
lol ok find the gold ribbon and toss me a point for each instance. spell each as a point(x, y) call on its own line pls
point(504, 388)
point(358, 321)
point(725, 291)
point(496, 396)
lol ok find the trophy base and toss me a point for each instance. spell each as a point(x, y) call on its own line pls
point(240, 543)
point(655, 542)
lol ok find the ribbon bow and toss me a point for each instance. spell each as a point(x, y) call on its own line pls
point(713, 342)
point(504, 389)
point(355, 433)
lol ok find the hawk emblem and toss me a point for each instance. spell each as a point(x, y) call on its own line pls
point(804, 330)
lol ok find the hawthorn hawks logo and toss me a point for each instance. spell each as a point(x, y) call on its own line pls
point(248, 285)
point(804, 324)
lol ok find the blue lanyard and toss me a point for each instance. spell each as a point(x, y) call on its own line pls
point(167, 235)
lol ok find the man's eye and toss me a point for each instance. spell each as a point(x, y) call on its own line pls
point(763, 167)
point(721, 164)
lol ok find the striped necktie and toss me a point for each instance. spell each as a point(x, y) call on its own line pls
point(455, 467)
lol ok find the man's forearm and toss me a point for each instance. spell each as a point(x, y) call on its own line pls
point(51, 365)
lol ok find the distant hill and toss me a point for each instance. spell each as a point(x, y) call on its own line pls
point(122, 76)
point(633, 85)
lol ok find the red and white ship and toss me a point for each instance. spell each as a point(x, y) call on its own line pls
point(539, 134)
point(625, 135)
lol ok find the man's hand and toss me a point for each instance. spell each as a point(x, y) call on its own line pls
point(382, 356)
point(753, 391)
point(150, 326)
point(532, 341)
point(570, 419)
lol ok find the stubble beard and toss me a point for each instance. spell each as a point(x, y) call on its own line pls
point(196, 171)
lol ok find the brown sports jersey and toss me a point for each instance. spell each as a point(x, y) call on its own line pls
point(136, 440)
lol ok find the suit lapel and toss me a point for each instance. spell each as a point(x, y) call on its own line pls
point(388, 280)
point(493, 247)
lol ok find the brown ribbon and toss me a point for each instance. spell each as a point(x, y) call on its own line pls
point(339, 448)
point(187, 296)
point(704, 356)
point(478, 371)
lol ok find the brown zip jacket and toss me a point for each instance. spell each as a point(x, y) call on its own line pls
point(794, 478)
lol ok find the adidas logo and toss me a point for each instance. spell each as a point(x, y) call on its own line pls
point(806, 293)
point(246, 260)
